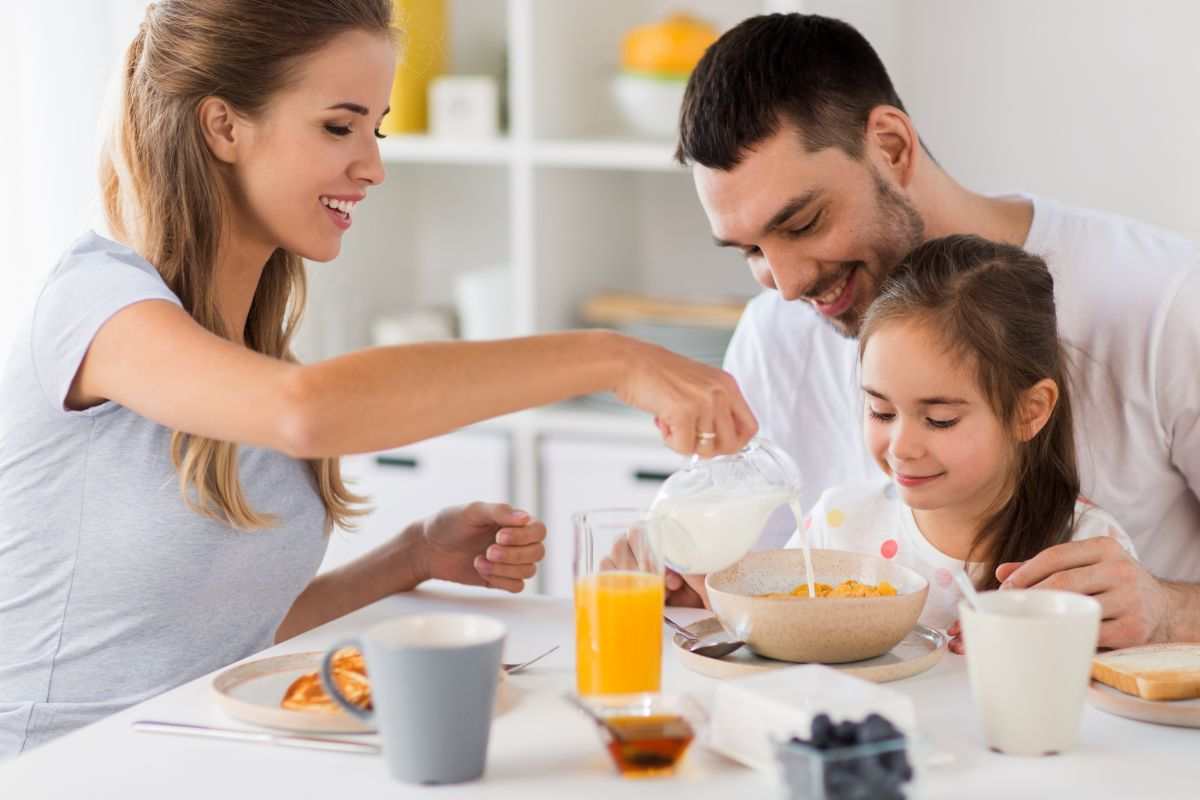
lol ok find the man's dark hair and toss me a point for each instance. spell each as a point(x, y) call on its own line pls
point(817, 73)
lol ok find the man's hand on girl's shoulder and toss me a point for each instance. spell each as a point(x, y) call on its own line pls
point(1134, 604)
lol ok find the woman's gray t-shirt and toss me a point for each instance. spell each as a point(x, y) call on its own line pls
point(111, 589)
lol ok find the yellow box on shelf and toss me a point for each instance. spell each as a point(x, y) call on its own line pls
point(423, 56)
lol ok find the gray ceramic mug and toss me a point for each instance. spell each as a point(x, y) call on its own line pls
point(433, 684)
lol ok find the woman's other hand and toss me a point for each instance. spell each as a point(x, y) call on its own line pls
point(483, 544)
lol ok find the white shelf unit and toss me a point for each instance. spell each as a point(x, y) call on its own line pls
point(567, 198)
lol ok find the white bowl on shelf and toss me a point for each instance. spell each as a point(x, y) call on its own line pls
point(648, 104)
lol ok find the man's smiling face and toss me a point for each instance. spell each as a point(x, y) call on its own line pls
point(820, 227)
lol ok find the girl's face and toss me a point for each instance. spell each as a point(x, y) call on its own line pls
point(929, 426)
point(309, 158)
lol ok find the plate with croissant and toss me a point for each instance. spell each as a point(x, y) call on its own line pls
point(285, 692)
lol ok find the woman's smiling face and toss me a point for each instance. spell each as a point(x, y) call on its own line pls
point(312, 154)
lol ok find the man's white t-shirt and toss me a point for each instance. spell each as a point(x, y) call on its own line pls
point(1128, 298)
point(869, 517)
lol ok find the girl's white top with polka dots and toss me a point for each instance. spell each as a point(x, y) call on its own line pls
point(870, 517)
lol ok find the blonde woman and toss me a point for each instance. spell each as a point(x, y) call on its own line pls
point(168, 472)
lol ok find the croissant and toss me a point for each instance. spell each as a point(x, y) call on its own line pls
point(349, 673)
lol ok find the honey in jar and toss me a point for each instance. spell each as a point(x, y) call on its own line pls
point(643, 746)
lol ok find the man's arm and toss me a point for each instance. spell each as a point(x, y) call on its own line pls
point(1136, 607)
point(1178, 395)
point(1183, 612)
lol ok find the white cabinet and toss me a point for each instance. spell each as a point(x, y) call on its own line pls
point(414, 482)
point(580, 473)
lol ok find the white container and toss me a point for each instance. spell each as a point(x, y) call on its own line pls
point(464, 107)
point(484, 299)
point(748, 713)
point(1029, 655)
point(649, 105)
point(418, 325)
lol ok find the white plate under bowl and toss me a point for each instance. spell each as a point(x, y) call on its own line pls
point(918, 651)
point(251, 692)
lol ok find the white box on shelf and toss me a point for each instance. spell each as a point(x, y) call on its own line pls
point(484, 299)
point(464, 107)
point(748, 712)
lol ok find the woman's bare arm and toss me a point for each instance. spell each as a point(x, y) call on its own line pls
point(153, 358)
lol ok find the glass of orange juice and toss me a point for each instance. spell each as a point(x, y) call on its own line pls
point(618, 603)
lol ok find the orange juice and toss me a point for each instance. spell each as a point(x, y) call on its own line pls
point(618, 633)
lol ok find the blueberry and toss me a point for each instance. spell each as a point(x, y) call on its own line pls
point(839, 783)
point(846, 732)
point(858, 789)
point(843, 785)
point(880, 719)
point(876, 729)
point(822, 730)
point(897, 764)
point(874, 770)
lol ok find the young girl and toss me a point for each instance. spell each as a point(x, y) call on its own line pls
point(967, 412)
point(168, 472)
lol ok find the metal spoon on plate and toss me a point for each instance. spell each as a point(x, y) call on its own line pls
point(513, 668)
point(716, 645)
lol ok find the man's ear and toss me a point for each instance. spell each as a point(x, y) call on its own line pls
point(1036, 405)
point(893, 139)
point(218, 123)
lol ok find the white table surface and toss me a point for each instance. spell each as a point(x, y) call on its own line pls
point(544, 748)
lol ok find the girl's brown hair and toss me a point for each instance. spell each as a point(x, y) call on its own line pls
point(164, 194)
point(992, 305)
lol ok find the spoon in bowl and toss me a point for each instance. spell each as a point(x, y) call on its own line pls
point(600, 721)
point(967, 588)
point(716, 645)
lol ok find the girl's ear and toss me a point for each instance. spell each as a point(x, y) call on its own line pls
point(1036, 405)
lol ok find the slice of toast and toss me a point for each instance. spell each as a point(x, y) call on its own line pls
point(1153, 672)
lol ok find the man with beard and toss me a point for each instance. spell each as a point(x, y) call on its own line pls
point(805, 160)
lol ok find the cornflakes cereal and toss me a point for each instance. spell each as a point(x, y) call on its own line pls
point(847, 588)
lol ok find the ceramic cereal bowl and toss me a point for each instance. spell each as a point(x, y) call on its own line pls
point(830, 630)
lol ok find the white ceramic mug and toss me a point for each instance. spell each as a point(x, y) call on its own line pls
point(1029, 656)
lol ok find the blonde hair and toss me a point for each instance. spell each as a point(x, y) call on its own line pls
point(164, 195)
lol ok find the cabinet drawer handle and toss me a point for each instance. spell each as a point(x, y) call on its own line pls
point(400, 462)
point(650, 476)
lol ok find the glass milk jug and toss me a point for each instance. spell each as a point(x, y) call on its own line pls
point(710, 513)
